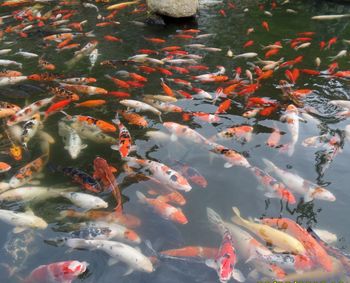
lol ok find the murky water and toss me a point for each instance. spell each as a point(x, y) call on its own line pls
point(227, 187)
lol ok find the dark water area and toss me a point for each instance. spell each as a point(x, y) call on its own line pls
point(228, 23)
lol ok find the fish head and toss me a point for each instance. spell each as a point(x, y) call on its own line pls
point(132, 236)
point(39, 223)
point(225, 267)
point(291, 109)
point(74, 268)
point(323, 194)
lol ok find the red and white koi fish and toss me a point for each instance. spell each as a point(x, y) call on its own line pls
point(64, 271)
point(184, 132)
point(299, 185)
point(273, 188)
point(162, 173)
point(225, 261)
point(232, 157)
point(27, 112)
point(125, 140)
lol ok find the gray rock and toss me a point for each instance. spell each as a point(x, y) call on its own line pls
point(173, 8)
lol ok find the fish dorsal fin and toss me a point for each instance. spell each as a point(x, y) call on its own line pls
point(129, 271)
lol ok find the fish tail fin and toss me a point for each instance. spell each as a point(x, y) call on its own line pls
point(237, 217)
point(116, 119)
point(141, 197)
point(215, 219)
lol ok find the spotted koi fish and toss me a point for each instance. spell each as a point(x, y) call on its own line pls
point(28, 172)
point(125, 140)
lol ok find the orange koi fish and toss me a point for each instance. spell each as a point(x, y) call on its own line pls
point(104, 172)
point(102, 125)
point(223, 107)
point(58, 106)
point(192, 251)
point(134, 118)
point(274, 138)
point(164, 209)
point(91, 103)
point(166, 88)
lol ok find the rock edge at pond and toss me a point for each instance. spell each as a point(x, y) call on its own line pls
point(174, 8)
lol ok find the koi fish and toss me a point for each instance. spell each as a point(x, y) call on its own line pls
point(91, 103)
point(140, 106)
point(225, 261)
point(80, 177)
point(292, 119)
point(22, 220)
point(232, 157)
point(191, 174)
point(270, 235)
point(125, 140)
point(273, 188)
point(64, 271)
point(274, 138)
point(192, 251)
point(164, 209)
point(72, 140)
point(91, 121)
point(85, 201)
point(162, 173)
point(27, 112)
point(299, 185)
point(29, 129)
point(184, 132)
point(117, 251)
point(58, 106)
point(247, 247)
point(134, 118)
point(8, 109)
point(240, 133)
point(313, 249)
point(85, 89)
point(28, 172)
point(104, 173)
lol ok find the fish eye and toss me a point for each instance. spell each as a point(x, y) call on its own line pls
point(173, 178)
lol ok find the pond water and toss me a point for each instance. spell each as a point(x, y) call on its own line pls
point(224, 27)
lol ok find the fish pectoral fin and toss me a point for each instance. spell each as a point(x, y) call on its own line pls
point(129, 271)
point(115, 147)
point(309, 195)
point(228, 165)
point(34, 182)
point(83, 146)
point(17, 230)
point(211, 263)
point(271, 195)
point(237, 275)
point(279, 250)
point(112, 261)
point(173, 138)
